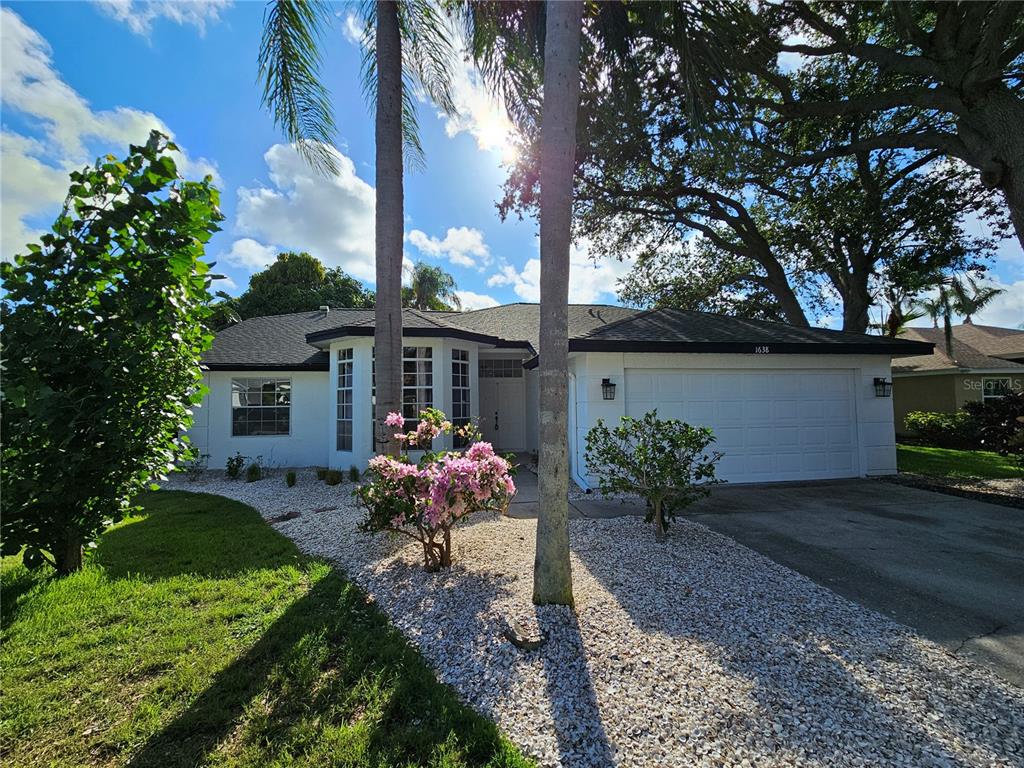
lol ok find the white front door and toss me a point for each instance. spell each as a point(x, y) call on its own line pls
point(771, 425)
point(503, 413)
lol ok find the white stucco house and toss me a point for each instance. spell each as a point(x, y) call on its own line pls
point(785, 403)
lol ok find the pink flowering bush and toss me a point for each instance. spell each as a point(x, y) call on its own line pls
point(424, 500)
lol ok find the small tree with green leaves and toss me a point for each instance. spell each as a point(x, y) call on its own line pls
point(665, 461)
point(103, 326)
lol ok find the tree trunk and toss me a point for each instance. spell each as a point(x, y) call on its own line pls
point(387, 336)
point(552, 575)
point(659, 520)
point(993, 134)
point(856, 303)
point(68, 558)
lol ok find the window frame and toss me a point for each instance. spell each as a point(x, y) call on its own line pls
point(277, 380)
point(461, 383)
point(345, 360)
point(500, 368)
point(985, 379)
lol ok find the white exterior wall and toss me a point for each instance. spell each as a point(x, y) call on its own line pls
point(211, 430)
point(876, 439)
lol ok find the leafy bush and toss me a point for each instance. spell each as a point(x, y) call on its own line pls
point(353, 473)
point(425, 500)
point(103, 327)
point(999, 422)
point(290, 478)
point(333, 476)
point(943, 430)
point(234, 464)
point(254, 471)
point(321, 473)
point(195, 465)
point(666, 462)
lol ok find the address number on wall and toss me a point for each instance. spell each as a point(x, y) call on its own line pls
point(762, 350)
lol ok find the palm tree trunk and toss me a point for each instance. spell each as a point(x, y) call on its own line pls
point(387, 337)
point(552, 575)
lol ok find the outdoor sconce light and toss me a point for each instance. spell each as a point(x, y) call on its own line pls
point(607, 389)
point(883, 388)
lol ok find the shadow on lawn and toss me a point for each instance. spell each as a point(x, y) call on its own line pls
point(328, 676)
point(176, 537)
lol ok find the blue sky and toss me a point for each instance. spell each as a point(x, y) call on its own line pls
point(81, 79)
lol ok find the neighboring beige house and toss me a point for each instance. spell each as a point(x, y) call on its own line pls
point(987, 362)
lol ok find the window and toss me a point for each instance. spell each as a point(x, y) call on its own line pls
point(993, 389)
point(344, 427)
point(501, 369)
point(460, 392)
point(417, 387)
point(260, 407)
point(417, 383)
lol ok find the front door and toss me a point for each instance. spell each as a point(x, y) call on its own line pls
point(503, 413)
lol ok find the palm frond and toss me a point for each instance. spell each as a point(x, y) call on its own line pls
point(289, 66)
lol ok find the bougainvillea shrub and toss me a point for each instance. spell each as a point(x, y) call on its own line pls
point(425, 499)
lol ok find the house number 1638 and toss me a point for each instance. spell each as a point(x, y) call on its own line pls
point(763, 350)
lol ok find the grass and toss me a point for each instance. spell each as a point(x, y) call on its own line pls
point(950, 462)
point(197, 635)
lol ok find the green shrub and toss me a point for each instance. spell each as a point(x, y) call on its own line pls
point(999, 422)
point(321, 473)
point(666, 462)
point(195, 466)
point(943, 430)
point(353, 473)
point(103, 330)
point(289, 479)
point(233, 466)
point(333, 476)
point(254, 471)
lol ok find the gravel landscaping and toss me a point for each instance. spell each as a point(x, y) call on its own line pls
point(698, 652)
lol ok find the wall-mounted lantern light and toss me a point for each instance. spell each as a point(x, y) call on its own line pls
point(607, 389)
point(883, 388)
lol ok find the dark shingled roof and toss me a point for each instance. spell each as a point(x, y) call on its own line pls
point(979, 347)
point(288, 342)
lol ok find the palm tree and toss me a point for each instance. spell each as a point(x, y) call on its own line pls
point(552, 575)
point(431, 288)
point(930, 306)
point(970, 297)
point(411, 40)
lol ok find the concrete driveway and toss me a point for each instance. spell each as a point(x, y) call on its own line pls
point(951, 568)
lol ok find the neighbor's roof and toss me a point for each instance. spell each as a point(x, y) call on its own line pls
point(295, 341)
point(979, 347)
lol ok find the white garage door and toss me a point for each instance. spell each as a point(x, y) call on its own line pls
point(771, 425)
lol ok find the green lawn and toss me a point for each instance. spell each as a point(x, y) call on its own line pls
point(949, 462)
point(197, 635)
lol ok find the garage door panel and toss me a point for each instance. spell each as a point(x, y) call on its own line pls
point(770, 425)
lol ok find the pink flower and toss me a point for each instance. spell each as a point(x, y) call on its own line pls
point(394, 420)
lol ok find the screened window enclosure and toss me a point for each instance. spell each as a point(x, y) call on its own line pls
point(994, 389)
point(260, 407)
point(460, 392)
point(344, 426)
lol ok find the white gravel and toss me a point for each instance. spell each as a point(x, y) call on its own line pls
point(698, 652)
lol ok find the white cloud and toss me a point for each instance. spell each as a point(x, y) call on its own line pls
point(472, 300)
point(35, 170)
point(224, 283)
point(479, 113)
point(589, 281)
point(1006, 309)
point(139, 15)
point(463, 246)
point(249, 254)
point(330, 217)
point(353, 29)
